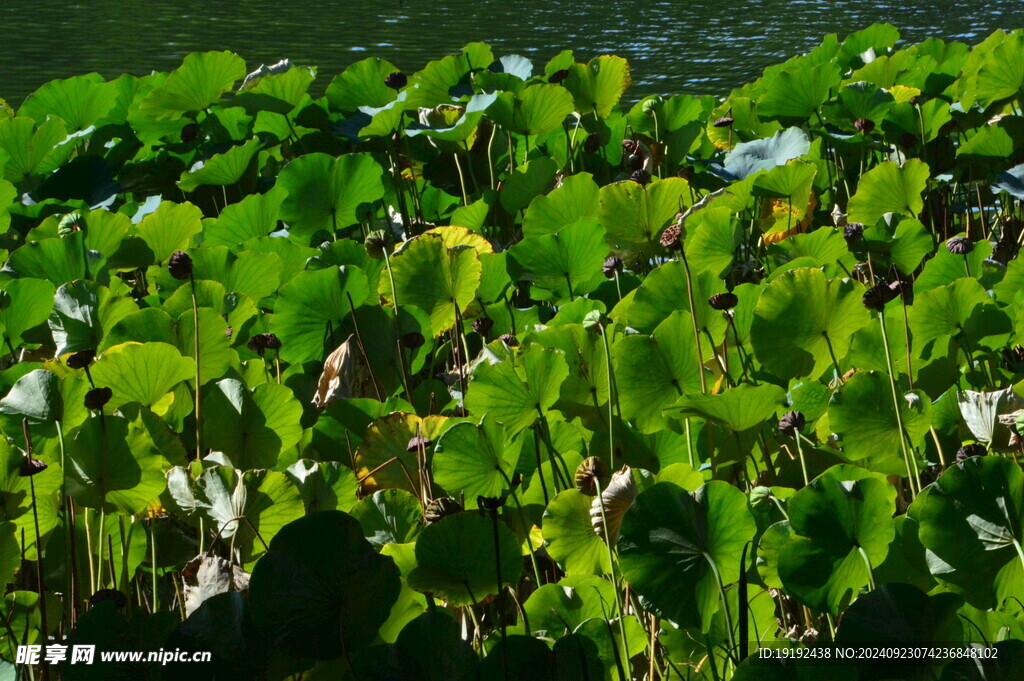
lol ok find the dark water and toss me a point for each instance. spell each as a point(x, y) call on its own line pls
point(702, 46)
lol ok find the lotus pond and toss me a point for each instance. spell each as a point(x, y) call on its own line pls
point(479, 373)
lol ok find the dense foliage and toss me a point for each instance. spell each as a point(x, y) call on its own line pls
point(481, 374)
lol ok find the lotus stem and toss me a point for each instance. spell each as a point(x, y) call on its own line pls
point(800, 453)
point(195, 332)
point(362, 348)
point(152, 560)
point(911, 471)
point(614, 575)
point(41, 586)
point(462, 180)
point(693, 319)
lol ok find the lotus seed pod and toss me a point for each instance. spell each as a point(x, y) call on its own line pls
point(853, 232)
point(723, 301)
point(558, 76)
point(612, 266)
point(650, 105)
point(629, 146)
point(791, 422)
point(641, 177)
point(969, 450)
point(959, 245)
point(592, 143)
point(81, 359)
point(616, 500)
point(262, 342)
point(589, 473)
point(634, 161)
point(671, 238)
point(483, 325)
point(864, 125)
point(509, 340)
point(375, 243)
point(877, 296)
point(396, 80)
point(724, 122)
point(180, 265)
point(440, 508)
point(30, 467)
point(97, 397)
point(189, 133)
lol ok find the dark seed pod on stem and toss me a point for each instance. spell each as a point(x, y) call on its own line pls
point(967, 451)
point(96, 398)
point(592, 143)
point(189, 133)
point(509, 340)
point(853, 232)
point(81, 359)
point(724, 122)
point(672, 237)
point(396, 80)
point(877, 296)
point(416, 442)
point(641, 177)
point(263, 342)
point(864, 125)
point(791, 422)
point(959, 245)
point(558, 76)
point(375, 243)
point(483, 325)
point(440, 508)
point(180, 265)
point(612, 266)
point(629, 146)
point(30, 467)
point(723, 301)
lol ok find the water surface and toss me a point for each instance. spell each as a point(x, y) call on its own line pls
point(699, 46)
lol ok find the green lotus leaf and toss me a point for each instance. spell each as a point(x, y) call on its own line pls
point(970, 523)
point(475, 460)
point(862, 413)
point(198, 83)
point(10, 558)
point(324, 192)
point(598, 85)
point(81, 101)
point(216, 355)
point(16, 505)
point(902, 615)
point(460, 557)
point(674, 547)
point(516, 391)
point(143, 373)
point(253, 217)
point(29, 147)
point(453, 128)
point(321, 589)
point(841, 526)
point(438, 280)
point(276, 93)
point(24, 304)
point(802, 319)
point(527, 182)
point(796, 93)
point(389, 516)
point(889, 188)
point(310, 305)
point(713, 235)
point(431, 648)
point(606, 637)
point(433, 84)
point(555, 610)
point(945, 267)
point(220, 169)
point(362, 84)
point(324, 485)
point(666, 290)
point(35, 396)
point(113, 464)
point(104, 230)
point(738, 408)
point(570, 538)
point(83, 313)
point(962, 308)
point(257, 275)
point(567, 263)
point(57, 260)
point(535, 110)
point(170, 228)
point(1002, 74)
point(576, 198)
point(769, 545)
point(652, 372)
point(634, 215)
point(748, 158)
point(251, 428)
